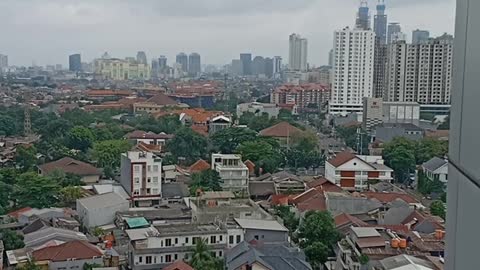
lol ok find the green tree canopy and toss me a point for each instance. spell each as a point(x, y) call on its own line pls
point(437, 208)
point(33, 190)
point(428, 148)
point(208, 180)
point(26, 157)
point(80, 138)
point(399, 154)
point(317, 254)
point(107, 153)
point(227, 140)
point(202, 257)
point(8, 126)
point(11, 239)
point(70, 194)
point(187, 145)
point(264, 153)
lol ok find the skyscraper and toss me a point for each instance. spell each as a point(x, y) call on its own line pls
point(258, 65)
point(363, 16)
point(420, 36)
point(269, 67)
point(352, 80)
point(420, 72)
point(297, 57)
point(330, 57)
point(393, 30)
point(194, 64)
point(379, 68)
point(155, 68)
point(277, 66)
point(182, 59)
point(142, 58)
point(236, 68)
point(246, 59)
point(75, 62)
point(380, 23)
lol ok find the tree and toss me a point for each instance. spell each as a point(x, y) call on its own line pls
point(8, 126)
point(107, 153)
point(255, 122)
point(317, 254)
point(288, 217)
point(8, 175)
point(70, 194)
point(26, 157)
point(364, 259)
point(227, 140)
point(97, 231)
point(33, 190)
point(208, 180)
point(437, 208)
point(187, 145)
point(202, 257)
point(262, 153)
point(90, 266)
point(80, 138)
point(428, 148)
point(11, 239)
point(65, 179)
point(5, 193)
point(399, 154)
point(57, 128)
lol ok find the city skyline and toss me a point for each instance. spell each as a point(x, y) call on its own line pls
point(240, 28)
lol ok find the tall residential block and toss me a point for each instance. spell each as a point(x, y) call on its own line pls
point(194, 64)
point(246, 59)
point(392, 31)
point(75, 62)
point(277, 65)
point(420, 72)
point(182, 59)
point(352, 70)
point(420, 36)
point(298, 50)
point(269, 67)
point(258, 66)
point(162, 64)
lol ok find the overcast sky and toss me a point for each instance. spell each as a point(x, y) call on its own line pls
point(47, 31)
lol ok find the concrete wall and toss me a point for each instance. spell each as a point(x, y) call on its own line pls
point(74, 264)
point(266, 235)
point(90, 179)
point(101, 215)
point(126, 174)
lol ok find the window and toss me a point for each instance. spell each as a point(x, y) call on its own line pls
point(155, 179)
point(195, 239)
point(175, 256)
point(137, 180)
point(149, 168)
point(168, 258)
point(221, 238)
point(337, 172)
point(136, 192)
point(186, 240)
point(256, 237)
point(176, 240)
point(230, 239)
point(140, 259)
point(238, 239)
point(168, 242)
point(220, 253)
point(148, 191)
point(136, 168)
point(154, 191)
point(213, 239)
point(155, 168)
point(383, 173)
point(148, 259)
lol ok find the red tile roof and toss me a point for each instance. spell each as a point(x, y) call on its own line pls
point(282, 129)
point(341, 158)
point(17, 213)
point(250, 165)
point(67, 251)
point(316, 203)
point(200, 165)
point(178, 265)
point(323, 184)
point(281, 199)
point(161, 99)
point(305, 196)
point(70, 165)
point(140, 134)
point(387, 197)
point(345, 219)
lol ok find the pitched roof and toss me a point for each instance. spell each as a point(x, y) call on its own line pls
point(162, 99)
point(46, 234)
point(140, 134)
point(67, 251)
point(345, 219)
point(178, 265)
point(282, 129)
point(257, 224)
point(261, 188)
point(198, 166)
point(70, 165)
point(434, 164)
point(102, 200)
point(341, 158)
point(323, 184)
point(388, 197)
point(19, 212)
point(250, 165)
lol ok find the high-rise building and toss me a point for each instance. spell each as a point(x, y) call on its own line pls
point(463, 196)
point(75, 62)
point(277, 65)
point(379, 68)
point(420, 36)
point(194, 64)
point(380, 23)
point(155, 68)
point(258, 66)
point(162, 64)
point(142, 58)
point(420, 72)
point(330, 57)
point(363, 17)
point(352, 70)
point(3, 61)
point(246, 59)
point(269, 67)
point(237, 67)
point(298, 49)
point(393, 29)
point(119, 69)
point(182, 59)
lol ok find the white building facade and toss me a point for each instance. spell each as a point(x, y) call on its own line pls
point(352, 70)
point(141, 177)
point(233, 172)
point(298, 49)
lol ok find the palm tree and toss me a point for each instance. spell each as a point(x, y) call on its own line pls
point(202, 257)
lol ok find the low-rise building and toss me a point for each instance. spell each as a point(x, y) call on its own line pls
point(233, 172)
point(150, 138)
point(141, 177)
point(282, 131)
point(30, 215)
point(387, 132)
point(100, 210)
point(258, 108)
point(436, 169)
point(87, 172)
point(355, 172)
point(156, 104)
point(48, 234)
point(266, 231)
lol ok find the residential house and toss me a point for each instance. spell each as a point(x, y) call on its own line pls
point(204, 122)
point(69, 255)
point(344, 221)
point(141, 177)
point(387, 132)
point(355, 172)
point(199, 166)
point(265, 256)
point(265, 231)
point(88, 173)
point(288, 183)
point(175, 192)
point(261, 190)
point(149, 138)
point(401, 262)
point(155, 104)
point(100, 210)
point(47, 234)
point(436, 169)
point(258, 108)
point(282, 131)
point(178, 265)
point(171, 213)
point(26, 217)
point(233, 172)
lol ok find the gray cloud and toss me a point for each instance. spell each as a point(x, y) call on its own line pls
point(46, 31)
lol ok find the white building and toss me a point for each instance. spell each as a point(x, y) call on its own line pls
point(354, 172)
point(298, 46)
point(258, 109)
point(141, 176)
point(352, 70)
point(420, 72)
point(100, 210)
point(232, 171)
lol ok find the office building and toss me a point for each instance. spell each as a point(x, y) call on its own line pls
point(246, 59)
point(380, 23)
point(141, 177)
point(297, 57)
point(363, 17)
point(162, 64)
point(420, 36)
point(3, 61)
point(269, 67)
point(236, 68)
point(120, 70)
point(155, 68)
point(194, 64)
point(258, 66)
point(232, 171)
point(379, 69)
point(376, 112)
point(352, 70)
point(420, 72)
point(142, 58)
point(277, 65)
point(75, 62)
point(463, 195)
point(182, 59)
point(393, 29)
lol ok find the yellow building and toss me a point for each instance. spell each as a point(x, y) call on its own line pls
point(119, 70)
